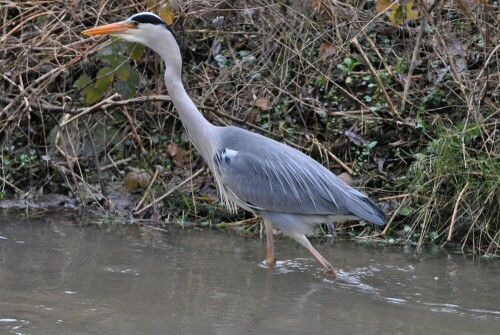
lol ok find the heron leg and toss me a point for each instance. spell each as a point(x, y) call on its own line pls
point(270, 259)
point(302, 239)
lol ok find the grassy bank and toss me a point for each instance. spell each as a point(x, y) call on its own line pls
point(401, 100)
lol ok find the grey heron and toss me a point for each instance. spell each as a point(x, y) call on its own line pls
point(284, 186)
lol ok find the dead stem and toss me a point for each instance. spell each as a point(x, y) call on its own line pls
point(187, 180)
point(381, 86)
point(148, 189)
point(455, 211)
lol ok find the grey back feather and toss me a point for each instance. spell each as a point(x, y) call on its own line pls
point(261, 174)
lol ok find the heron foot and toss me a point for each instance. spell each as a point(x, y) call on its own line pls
point(271, 261)
point(326, 264)
point(330, 271)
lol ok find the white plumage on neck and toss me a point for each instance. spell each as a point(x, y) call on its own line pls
point(201, 132)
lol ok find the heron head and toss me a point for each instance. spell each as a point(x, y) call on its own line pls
point(145, 28)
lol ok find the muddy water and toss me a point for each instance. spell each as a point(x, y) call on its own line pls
point(59, 275)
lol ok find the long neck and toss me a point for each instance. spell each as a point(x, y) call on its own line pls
point(201, 132)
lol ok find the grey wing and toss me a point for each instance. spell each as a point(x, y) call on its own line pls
point(262, 174)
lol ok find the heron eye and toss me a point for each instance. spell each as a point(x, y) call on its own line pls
point(135, 24)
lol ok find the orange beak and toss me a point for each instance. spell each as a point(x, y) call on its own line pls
point(113, 28)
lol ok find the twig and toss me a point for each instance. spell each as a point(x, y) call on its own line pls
point(96, 159)
point(344, 166)
point(386, 229)
point(110, 102)
point(63, 151)
point(333, 156)
point(399, 196)
point(453, 70)
point(97, 106)
point(393, 110)
point(148, 190)
point(134, 131)
point(21, 24)
point(6, 182)
point(413, 63)
point(374, 48)
point(455, 211)
point(114, 164)
point(171, 191)
point(242, 222)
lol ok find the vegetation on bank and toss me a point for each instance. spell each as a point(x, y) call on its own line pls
point(401, 98)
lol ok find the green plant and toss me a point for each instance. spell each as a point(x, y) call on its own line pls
point(363, 153)
point(348, 67)
point(455, 186)
point(117, 74)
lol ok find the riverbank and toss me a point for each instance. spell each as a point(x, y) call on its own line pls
point(404, 108)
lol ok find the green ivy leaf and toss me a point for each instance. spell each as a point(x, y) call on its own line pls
point(104, 77)
point(135, 50)
point(83, 81)
point(405, 210)
point(124, 89)
point(127, 88)
point(343, 68)
point(397, 15)
point(93, 95)
point(105, 52)
point(113, 54)
point(123, 71)
point(117, 60)
point(134, 78)
point(433, 235)
point(321, 81)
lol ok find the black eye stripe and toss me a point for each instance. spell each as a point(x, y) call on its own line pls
point(147, 18)
point(152, 19)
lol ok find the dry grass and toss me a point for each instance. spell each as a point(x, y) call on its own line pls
point(271, 67)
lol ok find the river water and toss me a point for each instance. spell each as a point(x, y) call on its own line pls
point(61, 275)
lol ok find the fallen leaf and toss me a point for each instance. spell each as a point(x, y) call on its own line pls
point(172, 148)
point(326, 50)
point(382, 5)
point(380, 164)
point(455, 46)
point(137, 178)
point(397, 15)
point(468, 5)
point(355, 139)
point(167, 15)
point(400, 14)
point(264, 104)
point(346, 178)
point(411, 14)
point(316, 4)
point(180, 156)
point(461, 65)
point(216, 47)
point(251, 118)
point(143, 179)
